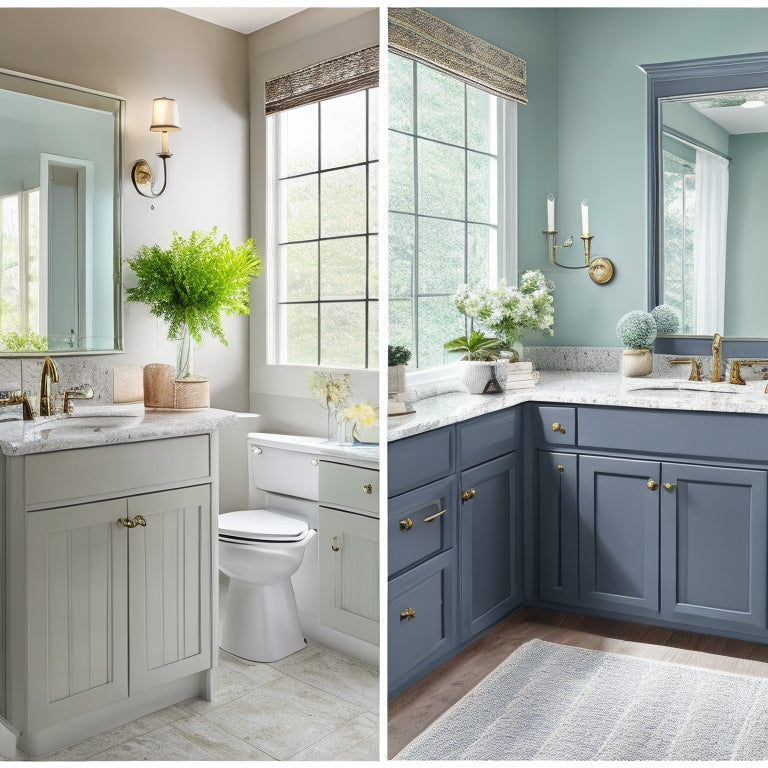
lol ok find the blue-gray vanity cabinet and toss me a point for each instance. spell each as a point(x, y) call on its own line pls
point(490, 561)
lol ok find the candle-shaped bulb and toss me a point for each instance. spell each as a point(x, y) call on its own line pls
point(584, 217)
point(550, 212)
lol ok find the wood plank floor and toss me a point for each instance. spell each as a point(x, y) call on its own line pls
point(417, 707)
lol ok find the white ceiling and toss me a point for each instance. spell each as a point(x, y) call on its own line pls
point(244, 19)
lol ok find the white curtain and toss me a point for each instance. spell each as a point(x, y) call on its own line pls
point(710, 229)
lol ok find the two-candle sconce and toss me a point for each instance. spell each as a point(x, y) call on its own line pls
point(600, 269)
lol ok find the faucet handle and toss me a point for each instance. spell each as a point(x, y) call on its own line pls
point(695, 366)
point(80, 392)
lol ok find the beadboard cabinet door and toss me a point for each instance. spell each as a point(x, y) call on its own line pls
point(170, 586)
point(77, 611)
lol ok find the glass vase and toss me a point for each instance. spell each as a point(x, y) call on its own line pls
point(184, 355)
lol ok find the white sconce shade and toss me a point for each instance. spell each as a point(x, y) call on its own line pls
point(165, 115)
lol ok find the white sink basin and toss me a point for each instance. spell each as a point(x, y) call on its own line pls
point(77, 425)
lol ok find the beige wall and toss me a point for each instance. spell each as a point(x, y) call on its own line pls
point(139, 54)
point(279, 393)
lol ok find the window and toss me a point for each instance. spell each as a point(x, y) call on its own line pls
point(324, 206)
point(451, 166)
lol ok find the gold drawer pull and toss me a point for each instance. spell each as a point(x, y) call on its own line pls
point(558, 427)
point(669, 486)
point(406, 525)
point(467, 495)
point(368, 489)
point(435, 516)
point(128, 523)
point(652, 485)
point(408, 614)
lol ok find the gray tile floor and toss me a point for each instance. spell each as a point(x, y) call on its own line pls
point(313, 705)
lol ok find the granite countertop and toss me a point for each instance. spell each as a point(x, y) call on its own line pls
point(584, 389)
point(90, 426)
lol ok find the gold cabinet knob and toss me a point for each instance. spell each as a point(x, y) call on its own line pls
point(368, 489)
point(652, 485)
point(558, 427)
point(468, 494)
point(669, 486)
point(407, 614)
point(560, 468)
point(406, 524)
point(335, 544)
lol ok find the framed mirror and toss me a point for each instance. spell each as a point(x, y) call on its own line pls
point(707, 194)
point(60, 211)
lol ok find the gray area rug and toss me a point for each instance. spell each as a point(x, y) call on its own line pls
point(556, 702)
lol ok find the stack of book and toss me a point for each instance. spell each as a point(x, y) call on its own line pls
point(521, 375)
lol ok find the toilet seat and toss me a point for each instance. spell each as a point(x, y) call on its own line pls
point(261, 525)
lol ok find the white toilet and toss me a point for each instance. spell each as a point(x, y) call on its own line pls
point(261, 548)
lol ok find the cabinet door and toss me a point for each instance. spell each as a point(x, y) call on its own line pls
point(170, 583)
point(619, 534)
point(349, 573)
point(489, 551)
point(713, 543)
point(77, 592)
point(558, 528)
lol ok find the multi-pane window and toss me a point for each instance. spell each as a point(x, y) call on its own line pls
point(325, 161)
point(446, 226)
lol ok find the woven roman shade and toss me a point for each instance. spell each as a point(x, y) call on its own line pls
point(334, 77)
point(419, 35)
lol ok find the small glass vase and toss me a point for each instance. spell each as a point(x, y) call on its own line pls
point(184, 349)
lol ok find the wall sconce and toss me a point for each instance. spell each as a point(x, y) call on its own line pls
point(600, 269)
point(165, 118)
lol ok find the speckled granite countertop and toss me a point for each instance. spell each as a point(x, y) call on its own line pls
point(584, 389)
point(92, 426)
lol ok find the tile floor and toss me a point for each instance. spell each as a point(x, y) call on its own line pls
point(313, 705)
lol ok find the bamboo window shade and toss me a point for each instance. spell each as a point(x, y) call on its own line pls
point(419, 35)
point(325, 80)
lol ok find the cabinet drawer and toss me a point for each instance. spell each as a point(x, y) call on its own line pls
point(116, 469)
point(421, 523)
point(487, 437)
point(557, 424)
point(421, 619)
point(349, 487)
point(421, 459)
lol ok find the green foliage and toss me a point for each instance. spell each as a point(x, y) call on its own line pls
point(398, 355)
point(13, 341)
point(194, 280)
point(476, 346)
point(637, 329)
point(667, 320)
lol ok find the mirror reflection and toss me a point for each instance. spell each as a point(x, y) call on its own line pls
point(714, 186)
point(59, 217)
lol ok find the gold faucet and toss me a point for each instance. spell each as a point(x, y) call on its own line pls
point(737, 365)
point(695, 367)
point(20, 398)
point(717, 357)
point(48, 375)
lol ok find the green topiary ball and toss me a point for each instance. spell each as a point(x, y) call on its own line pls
point(637, 329)
point(666, 319)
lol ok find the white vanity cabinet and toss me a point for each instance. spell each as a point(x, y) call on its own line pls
point(111, 573)
point(349, 549)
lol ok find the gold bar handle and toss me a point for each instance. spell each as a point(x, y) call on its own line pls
point(406, 524)
point(407, 614)
point(128, 523)
point(558, 427)
point(469, 494)
point(434, 517)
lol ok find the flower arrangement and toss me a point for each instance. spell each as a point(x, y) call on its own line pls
point(507, 311)
point(637, 330)
point(361, 415)
point(332, 390)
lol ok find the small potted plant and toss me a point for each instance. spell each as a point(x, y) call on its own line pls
point(637, 331)
point(398, 357)
point(482, 371)
point(190, 284)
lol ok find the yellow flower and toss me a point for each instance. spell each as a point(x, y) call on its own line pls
point(363, 413)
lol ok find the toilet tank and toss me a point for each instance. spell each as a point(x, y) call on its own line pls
point(284, 464)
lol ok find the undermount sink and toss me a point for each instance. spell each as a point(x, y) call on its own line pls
point(87, 423)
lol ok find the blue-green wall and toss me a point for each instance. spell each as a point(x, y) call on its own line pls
point(583, 134)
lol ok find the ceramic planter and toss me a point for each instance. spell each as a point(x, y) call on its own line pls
point(476, 375)
point(636, 362)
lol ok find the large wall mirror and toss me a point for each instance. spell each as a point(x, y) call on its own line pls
point(60, 161)
point(708, 197)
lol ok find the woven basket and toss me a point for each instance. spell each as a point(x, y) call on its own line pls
point(158, 386)
point(192, 393)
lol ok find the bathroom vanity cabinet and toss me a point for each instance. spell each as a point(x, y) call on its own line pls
point(111, 569)
point(454, 540)
point(349, 549)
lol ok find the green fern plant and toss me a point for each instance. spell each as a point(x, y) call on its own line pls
point(193, 281)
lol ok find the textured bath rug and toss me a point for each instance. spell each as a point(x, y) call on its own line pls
point(556, 702)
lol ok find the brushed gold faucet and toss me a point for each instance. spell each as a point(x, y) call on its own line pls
point(737, 365)
point(48, 375)
point(717, 342)
point(695, 364)
point(19, 398)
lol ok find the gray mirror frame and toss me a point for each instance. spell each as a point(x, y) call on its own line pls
point(680, 78)
point(53, 89)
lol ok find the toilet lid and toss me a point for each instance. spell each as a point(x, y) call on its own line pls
point(261, 525)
